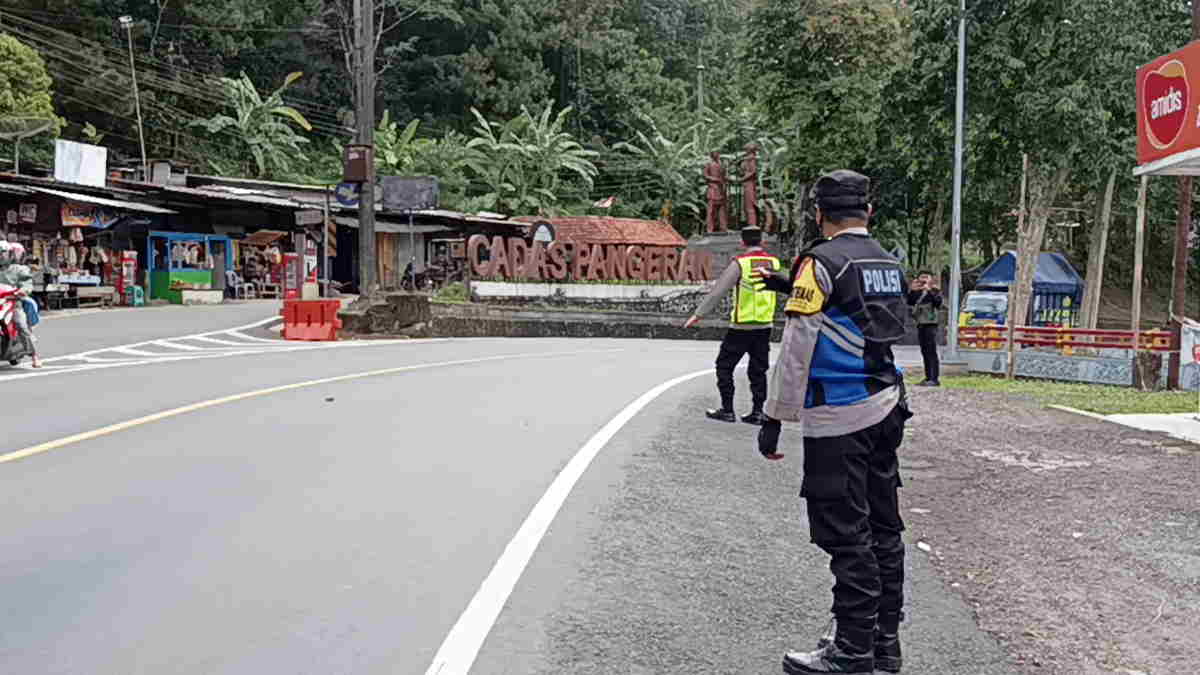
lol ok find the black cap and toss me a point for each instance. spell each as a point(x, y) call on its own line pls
point(842, 190)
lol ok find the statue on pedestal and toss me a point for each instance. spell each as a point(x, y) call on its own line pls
point(718, 205)
point(750, 185)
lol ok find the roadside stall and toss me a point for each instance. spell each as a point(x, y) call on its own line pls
point(186, 268)
point(64, 232)
point(1057, 293)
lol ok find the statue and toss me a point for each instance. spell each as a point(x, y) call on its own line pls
point(714, 177)
point(750, 185)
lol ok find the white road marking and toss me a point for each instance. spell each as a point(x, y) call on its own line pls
point(97, 363)
point(240, 335)
point(133, 352)
point(461, 646)
point(200, 405)
point(170, 344)
point(227, 343)
point(248, 326)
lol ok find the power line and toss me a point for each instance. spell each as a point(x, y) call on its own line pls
point(199, 90)
point(188, 26)
point(71, 60)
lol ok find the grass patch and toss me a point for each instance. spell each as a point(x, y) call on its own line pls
point(1096, 398)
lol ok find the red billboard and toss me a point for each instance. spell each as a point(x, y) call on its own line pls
point(1168, 105)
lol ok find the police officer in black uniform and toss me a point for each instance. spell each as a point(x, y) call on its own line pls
point(836, 375)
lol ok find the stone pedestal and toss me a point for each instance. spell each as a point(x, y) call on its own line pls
point(724, 246)
point(388, 314)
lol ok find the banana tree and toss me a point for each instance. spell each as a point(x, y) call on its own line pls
point(264, 129)
point(674, 168)
point(528, 162)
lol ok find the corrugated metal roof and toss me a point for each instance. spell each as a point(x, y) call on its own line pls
point(256, 199)
point(606, 230)
point(393, 227)
point(101, 201)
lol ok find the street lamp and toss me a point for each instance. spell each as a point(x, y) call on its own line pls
point(956, 227)
point(127, 24)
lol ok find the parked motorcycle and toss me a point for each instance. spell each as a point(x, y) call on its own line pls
point(12, 347)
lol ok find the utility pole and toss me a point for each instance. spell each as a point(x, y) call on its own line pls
point(956, 226)
point(127, 24)
point(1183, 226)
point(364, 23)
point(1011, 319)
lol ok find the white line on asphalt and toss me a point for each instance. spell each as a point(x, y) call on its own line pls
point(94, 363)
point(200, 405)
point(170, 344)
point(240, 334)
point(133, 352)
point(462, 644)
point(248, 326)
point(227, 343)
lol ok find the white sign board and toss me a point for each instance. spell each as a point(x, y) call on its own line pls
point(309, 217)
point(80, 163)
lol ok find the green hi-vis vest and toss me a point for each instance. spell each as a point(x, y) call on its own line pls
point(753, 304)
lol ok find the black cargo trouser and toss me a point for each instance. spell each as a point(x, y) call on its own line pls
point(738, 343)
point(850, 488)
point(927, 336)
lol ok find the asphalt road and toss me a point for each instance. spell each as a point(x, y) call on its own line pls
point(74, 332)
point(344, 527)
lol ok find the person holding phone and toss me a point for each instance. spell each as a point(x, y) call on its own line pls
point(925, 299)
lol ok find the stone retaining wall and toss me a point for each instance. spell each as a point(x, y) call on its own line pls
point(416, 315)
point(463, 320)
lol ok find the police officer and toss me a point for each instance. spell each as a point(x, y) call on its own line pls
point(837, 376)
point(750, 325)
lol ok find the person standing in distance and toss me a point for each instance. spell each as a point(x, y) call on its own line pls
point(837, 376)
point(750, 326)
point(925, 298)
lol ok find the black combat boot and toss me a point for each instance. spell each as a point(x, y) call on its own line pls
point(849, 653)
point(887, 643)
point(721, 414)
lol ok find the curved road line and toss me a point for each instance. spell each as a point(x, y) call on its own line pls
point(461, 646)
point(143, 343)
point(192, 407)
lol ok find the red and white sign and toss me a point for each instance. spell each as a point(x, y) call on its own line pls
point(1168, 103)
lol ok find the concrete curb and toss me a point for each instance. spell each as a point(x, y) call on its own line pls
point(1084, 413)
point(1126, 425)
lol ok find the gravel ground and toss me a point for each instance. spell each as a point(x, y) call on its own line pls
point(1076, 541)
point(700, 562)
point(1056, 544)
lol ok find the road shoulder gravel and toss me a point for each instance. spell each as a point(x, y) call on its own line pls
point(698, 560)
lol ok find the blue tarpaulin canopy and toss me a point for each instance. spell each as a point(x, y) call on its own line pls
point(1053, 275)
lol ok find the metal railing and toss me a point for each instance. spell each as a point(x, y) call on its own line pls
point(1063, 339)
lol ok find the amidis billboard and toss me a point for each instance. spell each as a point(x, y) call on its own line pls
point(1168, 102)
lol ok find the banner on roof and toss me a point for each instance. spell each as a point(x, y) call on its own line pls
point(75, 214)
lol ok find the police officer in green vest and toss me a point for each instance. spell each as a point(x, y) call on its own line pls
point(750, 325)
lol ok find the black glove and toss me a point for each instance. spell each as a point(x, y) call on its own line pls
point(778, 282)
point(768, 438)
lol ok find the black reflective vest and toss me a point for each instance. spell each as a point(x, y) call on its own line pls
point(864, 315)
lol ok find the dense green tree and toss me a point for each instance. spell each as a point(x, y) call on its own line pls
point(26, 96)
point(819, 69)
